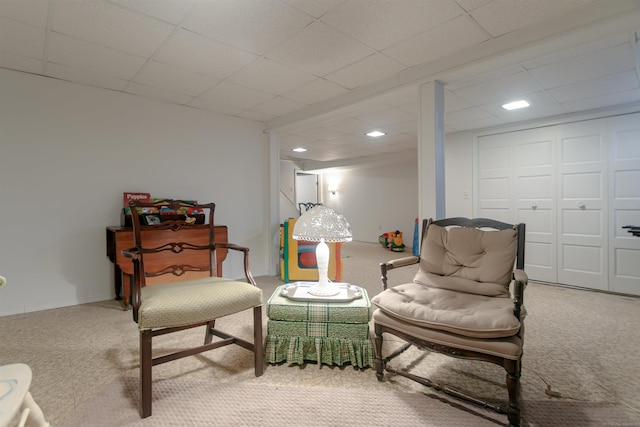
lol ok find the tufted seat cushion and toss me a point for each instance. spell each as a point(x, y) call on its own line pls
point(470, 315)
point(508, 347)
point(468, 260)
point(194, 301)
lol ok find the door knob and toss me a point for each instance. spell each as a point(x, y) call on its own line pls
point(581, 205)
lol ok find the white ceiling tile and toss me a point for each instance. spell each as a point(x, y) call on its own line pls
point(278, 106)
point(172, 11)
point(254, 115)
point(453, 102)
point(410, 127)
point(368, 70)
point(412, 107)
point(539, 103)
point(213, 105)
point(363, 107)
point(387, 116)
point(494, 74)
point(320, 133)
point(446, 39)
point(381, 23)
point(156, 93)
point(585, 67)
point(21, 39)
point(620, 98)
point(470, 5)
point(315, 91)
point(20, 63)
point(478, 124)
point(173, 79)
point(253, 25)
point(85, 77)
point(500, 90)
point(399, 96)
point(109, 25)
point(32, 12)
point(503, 16)
point(535, 111)
point(619, 82)
point(270, 77)
point(319, 49)
point(582, 49)
point(399, 139)
point(350, 125)
point(470, 114)
point(73, 52)
point(235, 95)
point(292, 141)
point(197, 53)
point(315, 8)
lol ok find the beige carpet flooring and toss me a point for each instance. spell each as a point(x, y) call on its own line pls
point(229, 404)
point(581, 344)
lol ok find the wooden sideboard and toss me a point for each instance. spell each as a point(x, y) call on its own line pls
point(119, 238)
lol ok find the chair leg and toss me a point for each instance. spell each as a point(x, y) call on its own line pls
point(513, 387)
point(258, 348)
point(208, 336)
point(377, 340)
point(146, 364)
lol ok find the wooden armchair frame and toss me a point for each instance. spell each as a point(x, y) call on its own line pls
point(511, 366)
point(153, 257)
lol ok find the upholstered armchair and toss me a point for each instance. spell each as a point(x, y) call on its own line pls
point(460, 302)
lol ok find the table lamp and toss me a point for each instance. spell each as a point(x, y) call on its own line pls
point(322, 224)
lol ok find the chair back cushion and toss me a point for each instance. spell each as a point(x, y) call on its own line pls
point(468, 259)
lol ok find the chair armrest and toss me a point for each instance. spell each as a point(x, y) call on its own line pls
point(131, 253)
point(521, 277)
point(402, 262)
point(520, 283)
point(232, 246)
point(396, 263)
point(245, 250)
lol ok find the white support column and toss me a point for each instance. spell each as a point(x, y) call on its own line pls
point(431, 198)
point(273, 203)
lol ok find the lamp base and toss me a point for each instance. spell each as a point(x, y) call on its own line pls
point(324, 290)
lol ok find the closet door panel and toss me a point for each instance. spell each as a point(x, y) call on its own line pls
point(534, 199)
point(494, 177)
point(582, 205)
point(624, 200)
point(516, 183)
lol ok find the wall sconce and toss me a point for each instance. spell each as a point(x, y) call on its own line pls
point(332, 189)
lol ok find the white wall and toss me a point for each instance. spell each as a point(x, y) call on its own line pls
point(288, 208)
point(380, 199)
point(375, 200)
point(68, 152)
point(459, 175)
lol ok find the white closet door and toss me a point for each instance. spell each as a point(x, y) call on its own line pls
point(582, 205)
point(494, 178)
point(624, 201)
point(534, 198)
point(516, 183)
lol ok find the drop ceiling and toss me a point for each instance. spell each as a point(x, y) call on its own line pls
point(322, 73)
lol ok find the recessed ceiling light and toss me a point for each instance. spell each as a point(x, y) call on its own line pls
point(299, 150)
point(375, 133)
point(515, 105)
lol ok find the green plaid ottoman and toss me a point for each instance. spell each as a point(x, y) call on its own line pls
point(333, 333)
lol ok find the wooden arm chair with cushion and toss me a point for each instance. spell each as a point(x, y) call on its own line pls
point(176, 247)
point(459, 302)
